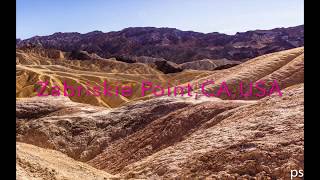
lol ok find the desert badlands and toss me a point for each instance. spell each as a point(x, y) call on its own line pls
point(151, 137)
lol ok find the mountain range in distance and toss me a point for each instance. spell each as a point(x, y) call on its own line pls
point(172, 44)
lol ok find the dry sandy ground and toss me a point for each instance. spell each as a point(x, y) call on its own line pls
point(38, 163)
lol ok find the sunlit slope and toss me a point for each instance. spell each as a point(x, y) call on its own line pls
point(32, 67)
point(33, 162)
point(285, 67)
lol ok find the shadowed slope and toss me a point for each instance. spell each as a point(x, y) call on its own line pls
point(83, 131)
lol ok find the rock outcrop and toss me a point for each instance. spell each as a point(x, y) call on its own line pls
point(209, 64)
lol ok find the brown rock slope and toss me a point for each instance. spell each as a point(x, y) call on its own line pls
point(160, 134)
point(38, 163)
point(83, 131)
point(264, 139)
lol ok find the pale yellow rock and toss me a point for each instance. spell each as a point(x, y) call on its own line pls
point(35, 163)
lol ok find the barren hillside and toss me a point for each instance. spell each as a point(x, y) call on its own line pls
point(52, 66)
point(37, 163)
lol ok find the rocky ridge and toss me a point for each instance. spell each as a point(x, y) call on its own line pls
point(173, 44)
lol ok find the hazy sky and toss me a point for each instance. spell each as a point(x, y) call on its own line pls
point(44, 17)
